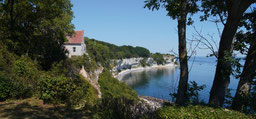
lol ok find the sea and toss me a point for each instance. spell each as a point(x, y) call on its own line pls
point(161, 82)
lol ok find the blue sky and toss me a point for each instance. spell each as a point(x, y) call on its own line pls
point(126, 22)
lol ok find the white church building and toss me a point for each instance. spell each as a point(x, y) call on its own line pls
point(75, 44)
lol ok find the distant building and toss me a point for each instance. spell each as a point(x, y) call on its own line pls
point(75, 44)
point(169, 59)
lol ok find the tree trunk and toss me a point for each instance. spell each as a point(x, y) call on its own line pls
point(246, 78)
point(224, 68)
point(183, 82)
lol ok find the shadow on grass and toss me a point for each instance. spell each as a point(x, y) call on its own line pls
point(24, 110)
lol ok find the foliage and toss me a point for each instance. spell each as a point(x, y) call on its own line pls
point(143, 62)
point(26, 68)
point(36, 28)
point(7, 60)
point(117, 52)
point(199, 112)
point(192, 94)
point(228, 98)
point(173, 7)
point(5, 89)
point(24, 78)
point(117, 98)
point(245, 43)
point(111, 87)
point(158, 58)
point(250, 104)
point(193, 91)
point(179, 10)
point(18, 73)
point(88, 63)
point(71, 67)
point(63, 90)
point(214, 8)
point(115, 108)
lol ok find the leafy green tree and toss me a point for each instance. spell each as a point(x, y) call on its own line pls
point(179, 9)
point(249, 69)
point(142, 52)
point(230, 13)
point(112, 51)
point(158, 58)
point(37, 29)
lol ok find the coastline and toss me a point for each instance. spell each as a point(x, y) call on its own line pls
point(120, 75)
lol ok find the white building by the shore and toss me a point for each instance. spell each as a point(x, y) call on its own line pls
point(75, 44)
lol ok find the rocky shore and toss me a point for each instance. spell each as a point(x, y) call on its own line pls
point(148, 105)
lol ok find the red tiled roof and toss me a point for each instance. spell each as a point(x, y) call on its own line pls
point(78, 37)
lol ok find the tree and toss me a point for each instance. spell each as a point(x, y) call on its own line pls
point(249, 70)
point(178, 9)
point(234, 10)
point(36, 28)
point(158, 58)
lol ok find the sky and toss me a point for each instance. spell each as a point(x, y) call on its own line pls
point(127, 22)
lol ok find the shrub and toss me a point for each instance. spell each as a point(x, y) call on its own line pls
point(88, 63)
point(117, 98)
point(111, 87)
point(20, 74)
point(24, 78)
point(7, 60)
point(63, 90)
point(71, 67)
point(26, 68)
point(192, 94)
point(5, 88)
point(198, 112)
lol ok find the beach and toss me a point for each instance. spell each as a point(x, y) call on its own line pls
point(120, 75)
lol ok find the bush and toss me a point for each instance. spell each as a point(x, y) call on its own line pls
point(198, 112)
point(63, 90)
point(19, 73)
point(26, 68)
point(5, 88)
point(192, 94)
point(24, 79)
point(117, 98)
point(88, 63)
point(115, 108)
point(71, 67)
point(7, 60)
point(111, 87)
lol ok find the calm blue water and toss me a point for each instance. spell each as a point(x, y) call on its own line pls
point(160, 82)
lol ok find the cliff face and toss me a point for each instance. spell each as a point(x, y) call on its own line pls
point(92, 78)
point(122, 64)
point(126, 63)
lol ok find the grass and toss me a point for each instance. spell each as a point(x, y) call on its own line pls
point(199, 112)
point(35, 109)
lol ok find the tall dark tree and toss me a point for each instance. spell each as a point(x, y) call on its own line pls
point(179, 9)
point(249, 70)
point(234, 10)
point(36, 28)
